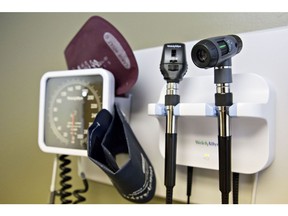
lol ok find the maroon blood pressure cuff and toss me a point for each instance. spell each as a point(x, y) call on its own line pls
point(109, 136)
point(100, 44)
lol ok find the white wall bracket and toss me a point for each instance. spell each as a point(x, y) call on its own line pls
point(252, 123)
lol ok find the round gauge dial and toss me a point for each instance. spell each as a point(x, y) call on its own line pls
point(72, 108)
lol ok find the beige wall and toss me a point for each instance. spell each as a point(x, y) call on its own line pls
point(33, 43)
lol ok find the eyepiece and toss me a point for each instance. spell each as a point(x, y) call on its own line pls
point(202, 55)
point(212, 52)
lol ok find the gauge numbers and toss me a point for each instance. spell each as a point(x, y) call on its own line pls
point(73, 104)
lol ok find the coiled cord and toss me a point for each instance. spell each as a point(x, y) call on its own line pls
point(65, 178)
point(63, 193)
point(76, 193)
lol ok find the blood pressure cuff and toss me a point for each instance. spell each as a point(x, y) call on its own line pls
point(109, 136)
point(99, 44)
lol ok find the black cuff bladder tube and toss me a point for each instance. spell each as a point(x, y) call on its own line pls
point(217, 53)
point(173, 67)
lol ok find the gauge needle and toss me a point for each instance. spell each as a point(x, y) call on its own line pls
point(72, 127)
point(73, 120)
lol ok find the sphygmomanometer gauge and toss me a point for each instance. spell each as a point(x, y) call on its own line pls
point(72, 110)
point(69, 103)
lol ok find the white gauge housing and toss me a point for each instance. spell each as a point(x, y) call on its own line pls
point(107, 102)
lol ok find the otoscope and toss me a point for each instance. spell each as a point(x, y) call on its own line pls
point(217, 52)
point(173, 67)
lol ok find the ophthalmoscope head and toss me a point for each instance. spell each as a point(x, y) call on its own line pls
point(173, 64)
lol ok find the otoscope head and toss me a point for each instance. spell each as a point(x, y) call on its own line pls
point(173, 64)
point(214, 51)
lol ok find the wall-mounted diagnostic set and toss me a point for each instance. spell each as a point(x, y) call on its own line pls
point(198, 144)
point(80, 115)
